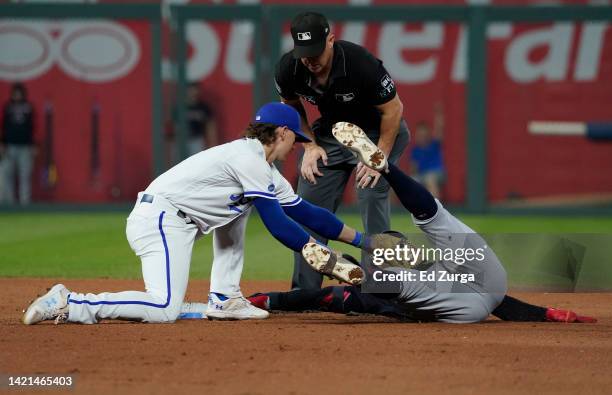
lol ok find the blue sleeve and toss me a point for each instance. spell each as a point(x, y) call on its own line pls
point(319, 220)
point(283, 228)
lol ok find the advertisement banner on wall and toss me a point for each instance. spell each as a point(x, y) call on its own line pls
point(552, 71)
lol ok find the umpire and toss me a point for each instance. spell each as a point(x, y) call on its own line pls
point(346, 83)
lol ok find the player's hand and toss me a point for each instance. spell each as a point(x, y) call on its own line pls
point(366, 177)
point(309, 169)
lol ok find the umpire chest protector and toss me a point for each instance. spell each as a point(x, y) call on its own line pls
point(356, 84)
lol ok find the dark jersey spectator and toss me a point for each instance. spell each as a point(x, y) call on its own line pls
point(17, 145)
point(200, 120)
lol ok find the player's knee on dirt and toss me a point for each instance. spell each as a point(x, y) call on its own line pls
point(172, 312)
point(472, 310)
point(165, 313)
point(471, 315)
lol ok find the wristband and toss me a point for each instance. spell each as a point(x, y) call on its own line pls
point(357, 240)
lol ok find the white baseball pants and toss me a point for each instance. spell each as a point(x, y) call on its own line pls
point(164, 243)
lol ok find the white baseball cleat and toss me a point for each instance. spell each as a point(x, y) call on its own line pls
point(52, 305)
point(325, 261)
point(221, 307)
point(355, 139)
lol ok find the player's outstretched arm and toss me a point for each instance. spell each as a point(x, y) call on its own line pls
point(324, 223)
point(281, 223)
point(283, 228)
point(318, 256)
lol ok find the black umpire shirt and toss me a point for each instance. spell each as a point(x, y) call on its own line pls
point(357, 83)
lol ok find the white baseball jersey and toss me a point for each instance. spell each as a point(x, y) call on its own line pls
point(216, 186)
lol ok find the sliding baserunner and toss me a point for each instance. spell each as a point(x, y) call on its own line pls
point(351, 300)
point(449, 289)
point(411, 301)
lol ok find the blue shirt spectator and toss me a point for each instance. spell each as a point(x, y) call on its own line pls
point(426, 155)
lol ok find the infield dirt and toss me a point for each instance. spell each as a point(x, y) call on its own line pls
point(309, 353)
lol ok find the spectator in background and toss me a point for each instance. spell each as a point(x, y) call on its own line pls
point(426, 155)
point(201, 123)
point(17, 145)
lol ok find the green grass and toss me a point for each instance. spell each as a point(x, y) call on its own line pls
point(93, 245)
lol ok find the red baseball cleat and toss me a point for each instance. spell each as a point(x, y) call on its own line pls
point(260, 300)
point(558, 315)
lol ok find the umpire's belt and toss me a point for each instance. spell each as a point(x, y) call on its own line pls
point(147, 198)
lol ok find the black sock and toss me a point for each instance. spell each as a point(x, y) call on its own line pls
point(511, 309)
point(414, 196)
point(298, 300)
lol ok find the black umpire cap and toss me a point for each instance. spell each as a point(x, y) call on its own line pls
point(309, 31)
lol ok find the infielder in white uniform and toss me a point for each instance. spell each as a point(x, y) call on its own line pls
point(210, 192)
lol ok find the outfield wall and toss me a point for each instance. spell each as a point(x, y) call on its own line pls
point(534, 71)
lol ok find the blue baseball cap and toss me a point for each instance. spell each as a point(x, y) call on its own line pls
point(281, 114)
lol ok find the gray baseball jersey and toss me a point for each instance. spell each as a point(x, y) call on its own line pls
point(454, 292)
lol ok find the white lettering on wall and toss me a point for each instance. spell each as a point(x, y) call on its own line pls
point(494, 31)
point(206, 50)
point(553, 67)
point(355, 32)
point(589, 51)
point(101, 50)
point(237, 63)
point(93, 51)
point(394, 40)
